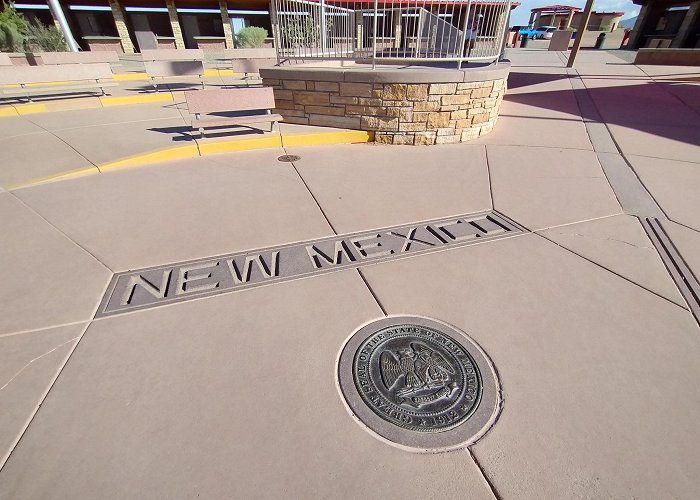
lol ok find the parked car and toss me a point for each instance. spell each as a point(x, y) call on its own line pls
point(544, 32)
point(529, 32)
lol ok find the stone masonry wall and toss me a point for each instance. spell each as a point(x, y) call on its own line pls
point(175, 24)
point(118, 14)
point(228, 33)
point(399, 113)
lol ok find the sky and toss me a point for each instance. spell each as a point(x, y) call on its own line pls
point(521, 14)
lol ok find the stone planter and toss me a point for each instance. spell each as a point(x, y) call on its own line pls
point(402, 105)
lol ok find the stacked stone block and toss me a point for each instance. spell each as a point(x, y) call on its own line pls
point(398, 113)
point(175, 24)
point(228, 33)
point(118, 14)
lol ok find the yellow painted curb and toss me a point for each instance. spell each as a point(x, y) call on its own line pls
point(38, 84)
point(219, 72)
point(28, 109)
point(8, 111)
point(353, 136)
point(176, 153)
point(130, 76)
point(115, 100)
point(71, 174)
point(210, 148)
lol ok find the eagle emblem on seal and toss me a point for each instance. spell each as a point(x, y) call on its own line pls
point(417, 374)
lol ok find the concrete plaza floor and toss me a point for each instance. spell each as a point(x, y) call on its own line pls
point(234, 395)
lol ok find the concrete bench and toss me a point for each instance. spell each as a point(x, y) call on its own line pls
point(5, 59)
point(245, 107)
point(261, 53)
point(248, 61)
point(172, 55)
point(53, 79)
point(251, 65)
point(103, 56)
point(162, 69)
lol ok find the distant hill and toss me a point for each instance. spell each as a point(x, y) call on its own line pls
point(628, 23)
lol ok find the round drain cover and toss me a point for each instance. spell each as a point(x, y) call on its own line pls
point(289, 158)
point(418, 383)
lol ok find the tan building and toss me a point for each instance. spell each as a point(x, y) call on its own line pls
point(207, 24)
point(112, 24)
point(566, 16)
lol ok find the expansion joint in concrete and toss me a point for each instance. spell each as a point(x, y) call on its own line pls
point(685, 280)
point(23, 430)
point(610, 270)
point(489, 483)
point(323, 213)
point(374, 295)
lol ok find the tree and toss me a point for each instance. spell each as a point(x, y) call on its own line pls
point(13, 29)
point(45, 38)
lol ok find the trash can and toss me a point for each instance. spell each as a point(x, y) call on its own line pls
point(599, 42)
point(523, 41)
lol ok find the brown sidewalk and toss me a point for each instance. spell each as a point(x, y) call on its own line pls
point(234, 394)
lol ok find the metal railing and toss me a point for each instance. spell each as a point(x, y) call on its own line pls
point(390, 30)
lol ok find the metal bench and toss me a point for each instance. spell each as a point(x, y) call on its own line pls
point(237, 102)
point(53, 79)
point(162, 69)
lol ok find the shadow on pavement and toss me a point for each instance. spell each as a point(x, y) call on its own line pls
point(187, 134)
point(667, 109)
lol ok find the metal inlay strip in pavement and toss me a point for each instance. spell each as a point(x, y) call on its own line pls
point(680, 272)
point(633, 196)
point(155, 286)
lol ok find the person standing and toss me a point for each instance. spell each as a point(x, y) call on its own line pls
point(472, 30)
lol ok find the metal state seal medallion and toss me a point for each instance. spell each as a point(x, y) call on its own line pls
point(417, 378)
point(419, 383)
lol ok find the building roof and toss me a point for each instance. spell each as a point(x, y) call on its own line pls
point(565, 9)
point(556, 8)
point(412, 3)
point(608, 13)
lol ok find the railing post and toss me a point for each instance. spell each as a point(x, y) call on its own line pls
point(58, 15)
point(276, 34)
point(374, 35)
point(464, 36)
point(419, 29)
point(504, 33)
point(324, 33)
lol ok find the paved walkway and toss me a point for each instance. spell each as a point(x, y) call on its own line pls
point(234, 395)
point(94, 140)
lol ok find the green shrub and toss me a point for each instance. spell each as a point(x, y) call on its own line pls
point(13, 29)
point(45, 38)
point(251, 37)
point(11, 40)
